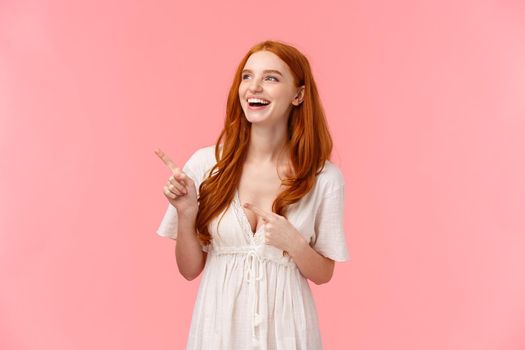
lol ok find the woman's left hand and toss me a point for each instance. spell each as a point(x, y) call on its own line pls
point(279, 232)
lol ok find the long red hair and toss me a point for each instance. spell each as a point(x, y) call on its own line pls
point(309, 142)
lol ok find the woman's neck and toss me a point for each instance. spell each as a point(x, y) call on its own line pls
point(268, 145)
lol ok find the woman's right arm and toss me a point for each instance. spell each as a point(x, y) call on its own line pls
point(181, 192)
point(190, 257)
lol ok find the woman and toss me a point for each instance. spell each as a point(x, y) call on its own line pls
point(273, 156)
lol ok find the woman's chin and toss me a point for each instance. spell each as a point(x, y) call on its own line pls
point(255, 117)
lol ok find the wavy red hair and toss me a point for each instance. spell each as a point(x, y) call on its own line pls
point(309, 142)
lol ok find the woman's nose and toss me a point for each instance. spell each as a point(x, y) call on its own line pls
point(255, 85)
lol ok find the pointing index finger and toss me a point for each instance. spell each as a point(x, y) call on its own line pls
point(166, 160)
point(262, 213)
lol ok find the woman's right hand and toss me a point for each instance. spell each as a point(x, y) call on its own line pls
point(180, 189)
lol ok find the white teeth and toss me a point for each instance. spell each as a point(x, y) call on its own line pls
point(254, 100)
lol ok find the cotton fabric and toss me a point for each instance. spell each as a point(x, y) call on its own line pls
point(250, 295)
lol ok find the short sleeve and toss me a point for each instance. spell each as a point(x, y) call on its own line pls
point(195, 168)
point(329, 238)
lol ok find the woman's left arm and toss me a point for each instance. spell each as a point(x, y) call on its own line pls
point(314, 266)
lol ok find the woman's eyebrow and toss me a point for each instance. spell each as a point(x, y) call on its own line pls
point(265, 71)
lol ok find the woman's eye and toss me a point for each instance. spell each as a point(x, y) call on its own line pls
point(270, 76)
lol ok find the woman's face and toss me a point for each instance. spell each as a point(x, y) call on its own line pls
point(265, 76)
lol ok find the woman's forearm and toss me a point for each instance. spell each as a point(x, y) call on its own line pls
point(189, 255)
point(312, 265)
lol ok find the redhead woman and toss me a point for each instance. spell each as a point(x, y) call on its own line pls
point(260, 212)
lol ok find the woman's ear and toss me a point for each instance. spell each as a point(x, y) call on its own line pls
point(298, 99)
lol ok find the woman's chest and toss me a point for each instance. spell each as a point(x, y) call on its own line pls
point(260, 187)
point(232, 227)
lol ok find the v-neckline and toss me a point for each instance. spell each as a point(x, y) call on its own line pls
point(247, 226)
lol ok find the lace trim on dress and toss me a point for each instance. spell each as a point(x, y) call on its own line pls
point(243, 220)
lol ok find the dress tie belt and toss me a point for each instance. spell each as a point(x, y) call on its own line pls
point(245, 250)
point(252, 275)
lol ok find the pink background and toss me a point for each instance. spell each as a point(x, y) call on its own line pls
point(426, 103)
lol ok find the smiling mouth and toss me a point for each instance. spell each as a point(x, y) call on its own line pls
point(258, 102)
point(257, 106)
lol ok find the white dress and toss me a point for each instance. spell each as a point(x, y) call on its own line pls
point(251, 296)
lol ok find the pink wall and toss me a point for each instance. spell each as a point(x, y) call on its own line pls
point(426, 104)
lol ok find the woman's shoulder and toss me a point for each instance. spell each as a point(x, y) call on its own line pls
point(204, 155)
point(205, 151)
point(330, 178)
point(200, 162)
